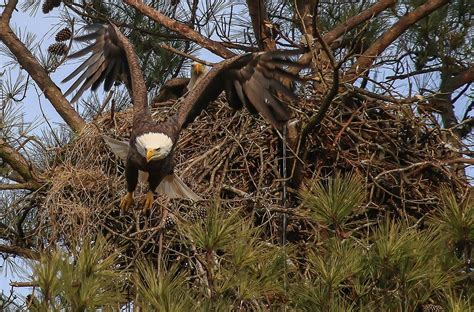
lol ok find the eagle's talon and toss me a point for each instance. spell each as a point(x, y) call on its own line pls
point(126, 202)
point(149, 198)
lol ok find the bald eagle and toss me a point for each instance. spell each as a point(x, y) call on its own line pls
point(251, 80)
point(175, 88)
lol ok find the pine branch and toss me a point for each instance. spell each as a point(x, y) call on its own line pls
point(349, 24)
point(7, 172)
point(358, 19)
point(20, 251)
point(461, 79)
point(366, 60)
point(181, 29)
point(28, 62)
point(442, 101)
point(18, 163)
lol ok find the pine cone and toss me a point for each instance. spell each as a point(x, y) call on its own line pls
point(63, 35)
point(197, 215)
point(58, 48)
point(49, 5)
point(429, 307)
point(169, 222)
point(192, 217)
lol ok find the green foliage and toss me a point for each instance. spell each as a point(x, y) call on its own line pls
point(227, 264)
point(240, 267)
point(458, 303)
point(405, 265)
point(162, 291)
point(79, 281)
point(332, 203)
point(455, 220)
point(396, 266)
point(330, 270)
point(214, 232)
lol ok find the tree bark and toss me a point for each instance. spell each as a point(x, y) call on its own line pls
point(28, 62)
point(183, 30)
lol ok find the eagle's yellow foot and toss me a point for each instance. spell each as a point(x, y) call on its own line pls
point(126, 202)
point(149, 198)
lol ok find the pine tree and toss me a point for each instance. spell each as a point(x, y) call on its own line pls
point(375, 205)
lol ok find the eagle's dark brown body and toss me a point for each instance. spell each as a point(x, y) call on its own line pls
point(135, 161)
point(251, 80)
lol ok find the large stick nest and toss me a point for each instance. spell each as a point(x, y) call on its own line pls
point(402, 155)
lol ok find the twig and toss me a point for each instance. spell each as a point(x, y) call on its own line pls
point(23, 284)
point(315, 121)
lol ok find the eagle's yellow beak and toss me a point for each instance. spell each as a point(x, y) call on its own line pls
point(198, 68)
point(153, 154)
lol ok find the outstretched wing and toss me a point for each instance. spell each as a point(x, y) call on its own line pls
point(253, 80)
point(107, 62)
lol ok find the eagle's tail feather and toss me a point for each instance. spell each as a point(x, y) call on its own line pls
point(174, 187)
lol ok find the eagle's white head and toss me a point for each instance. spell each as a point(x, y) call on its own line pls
point(154, 146)
point(198, 71)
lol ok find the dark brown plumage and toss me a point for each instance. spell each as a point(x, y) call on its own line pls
point(172, 89)
point(107, 62)
point(251, 80)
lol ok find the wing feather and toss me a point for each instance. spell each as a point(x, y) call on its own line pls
point(119, 148)
point(107, 64)
point(89, 82)
point(96, 46)
point(91, 69)
point(91, 60)
point(252, 80)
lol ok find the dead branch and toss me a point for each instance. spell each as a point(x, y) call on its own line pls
point(18, 186)
point(20, 251)
point(23, 284)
